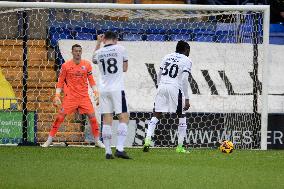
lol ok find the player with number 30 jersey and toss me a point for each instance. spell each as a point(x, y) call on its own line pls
point(172, 94)
point(170, 89)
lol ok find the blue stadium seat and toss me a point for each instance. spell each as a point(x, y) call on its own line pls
point(59, 29)
point(276, 34)
point(276, 40)
point(226, 39)
point(84, 36)
point(201, 31)
point(203, 38)
point(132, 37)
point(226, 29)
point(249, 39)
point(85, 30)
point(179, 31)
point(177, 37)
point(155, 31)
point(275, 28)
point(103, 30)
point(133, 30)
point(54, 37)
point(247, 30)
point(156, 37)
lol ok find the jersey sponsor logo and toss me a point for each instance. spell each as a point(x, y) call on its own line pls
point(79, 74)
point(83, 67)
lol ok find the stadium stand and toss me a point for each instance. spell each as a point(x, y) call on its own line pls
point(221, 33)
point(132, 37)
point(276, 34)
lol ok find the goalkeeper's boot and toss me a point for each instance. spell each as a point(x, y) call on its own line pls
point(46, 144)
point(146, 145)
point(109, 156)
point(122, 155)
point(180, 149)
point(99, 144)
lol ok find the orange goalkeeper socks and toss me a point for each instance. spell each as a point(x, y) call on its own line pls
point(95, 127)
point(59, 119)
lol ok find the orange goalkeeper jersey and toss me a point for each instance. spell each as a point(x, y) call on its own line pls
point(76, 78)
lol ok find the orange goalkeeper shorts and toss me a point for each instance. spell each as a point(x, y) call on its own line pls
point(71, 105)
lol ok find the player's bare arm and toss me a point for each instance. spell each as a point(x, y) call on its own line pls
point(99, 41)
point(93, 85)
point(96, 94)
point(56, 99)
point(185, 84)
point(59, 86)
point(98, 45)
point(186, 105)
point(125, 66)
point(159, 75)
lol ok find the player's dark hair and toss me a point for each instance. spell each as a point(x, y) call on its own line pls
point(76, 45)
point(110, 35)
point(182, 46)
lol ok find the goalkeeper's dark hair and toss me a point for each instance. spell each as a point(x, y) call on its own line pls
point(76, 45)
point(182, 46)
point(110, 35)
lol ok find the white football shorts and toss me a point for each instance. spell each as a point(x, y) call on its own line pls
point(169, 99)
point(113, 102)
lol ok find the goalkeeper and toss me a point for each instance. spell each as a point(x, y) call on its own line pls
point(75, 75)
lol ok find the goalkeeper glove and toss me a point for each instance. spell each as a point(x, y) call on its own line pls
point(56, 100)
point(96, 96)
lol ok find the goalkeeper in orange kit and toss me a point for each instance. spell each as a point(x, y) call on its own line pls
point(74, 76)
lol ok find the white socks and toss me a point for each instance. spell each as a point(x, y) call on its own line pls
point(49, 139)
point(121, 136)
point(151, 127)
point(96, 139)
point(181, 130)
point(106, 134)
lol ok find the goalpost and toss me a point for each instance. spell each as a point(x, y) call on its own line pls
point(228, 83)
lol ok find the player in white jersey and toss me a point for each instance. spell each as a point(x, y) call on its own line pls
point(172, 94)
point(113, 62)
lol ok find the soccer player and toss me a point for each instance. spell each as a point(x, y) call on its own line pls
point(89, 138)
point(112, 61)
point(74, 77)
point(172, 81)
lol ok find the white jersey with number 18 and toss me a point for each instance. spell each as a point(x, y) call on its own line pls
point(110, 60)
point(172, 67)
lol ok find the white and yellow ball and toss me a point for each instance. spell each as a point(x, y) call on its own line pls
point(226, 147)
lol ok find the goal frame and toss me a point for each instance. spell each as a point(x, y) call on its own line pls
point(266, 20)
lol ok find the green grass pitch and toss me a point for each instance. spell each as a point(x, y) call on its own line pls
point(73, 167)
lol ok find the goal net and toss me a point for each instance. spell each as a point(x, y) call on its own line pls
point(228, 82)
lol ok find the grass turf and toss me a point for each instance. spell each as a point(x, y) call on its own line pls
point(72, 167)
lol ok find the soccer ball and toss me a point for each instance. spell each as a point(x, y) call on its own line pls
point(226, 146)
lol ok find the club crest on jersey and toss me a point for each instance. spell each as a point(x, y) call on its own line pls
point(83, 67)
